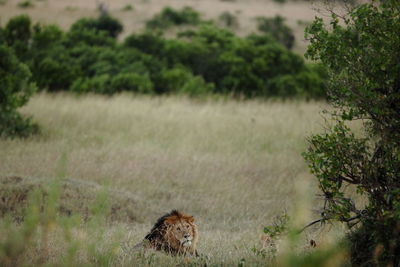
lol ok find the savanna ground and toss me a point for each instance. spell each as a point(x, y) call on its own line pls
point(234, 165)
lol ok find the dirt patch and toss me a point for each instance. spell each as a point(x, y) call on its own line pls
point(76, 197)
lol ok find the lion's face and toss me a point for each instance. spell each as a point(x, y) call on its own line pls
point(181, 233)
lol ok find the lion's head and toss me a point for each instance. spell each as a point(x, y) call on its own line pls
point(175, 233)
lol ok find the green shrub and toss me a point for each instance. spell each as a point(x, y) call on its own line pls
point(104, 23)
point(16, 89)
point(147, 42)
point(361, 55)
point(277, 29)
point(56, 71)
point(182, 81)
point(88, 37)
point(17, 35)
point(170, 17)
point(128, 7)
point(97, 84)
point(107, 84)
point(25, 4)
point(89, 58)
point(229, 20)
point(307, 83)
point(132, 82)
point(46, 36)
point(253, 66)
point(52, 66)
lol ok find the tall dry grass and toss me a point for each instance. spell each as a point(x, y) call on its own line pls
point(234, 165)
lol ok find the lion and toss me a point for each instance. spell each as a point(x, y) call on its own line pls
point(174, 233)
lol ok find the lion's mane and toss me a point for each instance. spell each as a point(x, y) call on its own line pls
point(163, 236)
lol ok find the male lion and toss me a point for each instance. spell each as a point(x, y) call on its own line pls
point(175, 233)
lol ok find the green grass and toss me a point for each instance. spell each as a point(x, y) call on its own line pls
point(234, 165)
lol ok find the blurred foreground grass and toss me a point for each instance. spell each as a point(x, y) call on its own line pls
point(234, 165)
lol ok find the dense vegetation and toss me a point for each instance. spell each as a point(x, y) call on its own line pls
point(15, 90)
point(205, 59)
point(362, 53)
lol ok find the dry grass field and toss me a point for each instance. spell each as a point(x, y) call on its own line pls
point(234, 165)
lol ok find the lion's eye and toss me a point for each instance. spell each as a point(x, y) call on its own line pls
point(187, 226)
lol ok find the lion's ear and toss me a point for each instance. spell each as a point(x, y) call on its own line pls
point(168, 222)
point(190, 219)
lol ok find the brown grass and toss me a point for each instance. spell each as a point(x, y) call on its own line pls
point(233, 165)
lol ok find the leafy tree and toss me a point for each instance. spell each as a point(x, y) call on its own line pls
point(277, 28)
point(362, 54)
point(181, 80)
point(51, 63)
point(17, 35)
point(170, 17)
point(15, 90)
point(104, 23)
point(205, 59)
point(227, 19)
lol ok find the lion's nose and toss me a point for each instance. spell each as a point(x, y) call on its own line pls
point(186, 236)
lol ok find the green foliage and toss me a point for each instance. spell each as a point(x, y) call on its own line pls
point(277, 29)
point(229, 20)
point(361, 53)
point(206, 59)
point(170, 17)
point(16, 89)
point(182, 81)
point(128, 7)
point(279, 226)
point(104, 23)
point(25, 4)
point(107, 84)
point(17, 35)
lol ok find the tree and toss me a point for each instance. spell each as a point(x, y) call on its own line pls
point(362, 54)
point(277, 28)
point(17, 35)
point(15, 90)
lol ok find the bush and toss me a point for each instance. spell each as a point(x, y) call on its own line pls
point(89, 58)
point(277, 29)
point(182, 81)
point(107, 84)
point(254, 66)
point(170, 17)
point(229, 20)
point(17, 35)
point(104, 23)
point(25, 4)
point(16, 89)
point(147, 42)
point(361, 54)
point(52, 67)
